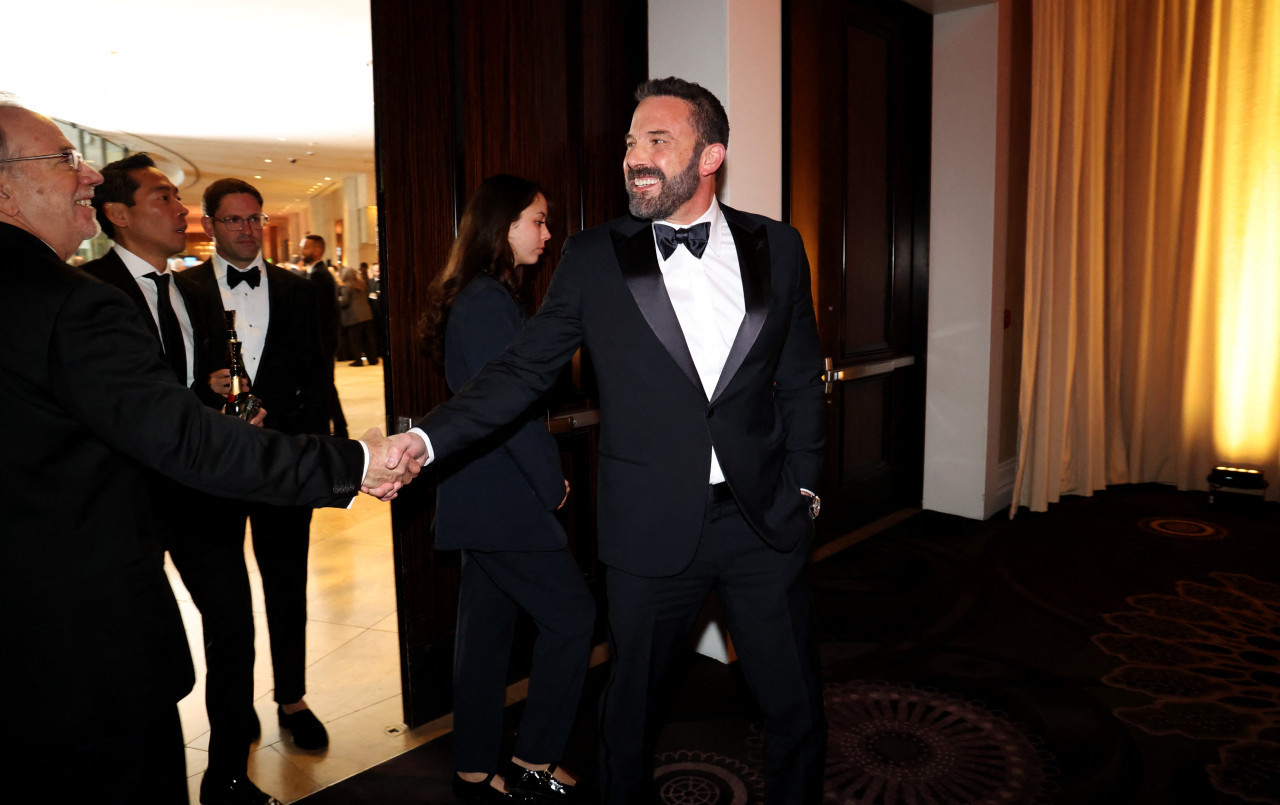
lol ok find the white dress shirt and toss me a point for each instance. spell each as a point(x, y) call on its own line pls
point(139, 268)
point(253, 311)
point(709, 301)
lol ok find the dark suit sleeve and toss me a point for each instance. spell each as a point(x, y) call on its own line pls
point(480, 329)
point(512, 382)
point(211, 340)
point(106, 375)
point(798, 382)
point(315, 379)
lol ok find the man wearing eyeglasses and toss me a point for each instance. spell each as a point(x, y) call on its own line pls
point(276, 325)
point(96, 654)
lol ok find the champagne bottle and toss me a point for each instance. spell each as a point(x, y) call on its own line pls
point(238, 398)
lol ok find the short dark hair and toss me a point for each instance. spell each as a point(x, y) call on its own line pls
point(316, 238)
point(118, 184)
point(708, 115)
point(215, 192)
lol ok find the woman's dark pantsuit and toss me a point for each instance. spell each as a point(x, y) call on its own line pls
point(495, 586)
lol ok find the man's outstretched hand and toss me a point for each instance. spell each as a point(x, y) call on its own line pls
point(392, 463)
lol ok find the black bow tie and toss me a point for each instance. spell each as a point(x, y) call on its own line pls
point(694, 239)
point(235, 276)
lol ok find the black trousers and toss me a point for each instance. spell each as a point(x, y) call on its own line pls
point(361, 341)
point(139, 759)
point(767, 602)
point(495, 586)
point(281, 541)
point(336, 417)
point(211, 563)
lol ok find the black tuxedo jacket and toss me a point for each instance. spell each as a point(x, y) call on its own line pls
point(291, 380)
point(89, 410)
point(327, 316)
point(207, 327)
point(657, 424)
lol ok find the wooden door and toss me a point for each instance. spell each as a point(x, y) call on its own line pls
point(858, 159)
point(462, 91)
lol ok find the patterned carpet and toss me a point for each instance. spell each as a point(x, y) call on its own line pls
point(1123, 648)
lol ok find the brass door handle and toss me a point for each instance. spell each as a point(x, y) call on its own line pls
point(832, 375)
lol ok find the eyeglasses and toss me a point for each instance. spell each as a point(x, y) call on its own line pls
point(235, 223)
point(72, 158)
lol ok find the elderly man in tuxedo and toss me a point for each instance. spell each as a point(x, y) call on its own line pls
point(139, 208)
point(90, 413)
point(700, 324)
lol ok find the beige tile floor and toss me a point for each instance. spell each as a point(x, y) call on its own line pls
point(353, 665)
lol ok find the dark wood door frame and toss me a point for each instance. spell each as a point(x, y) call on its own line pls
point(462, 91)
point(857, 145)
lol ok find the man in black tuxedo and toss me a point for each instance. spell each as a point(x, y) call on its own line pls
point(139, 208)
point(90, 413)
point(276, 325)
point(700, 325)
point(327, 318)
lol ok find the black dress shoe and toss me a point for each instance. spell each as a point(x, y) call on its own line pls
point(539, 785)
point(233, 791)
point(481, 793)
point(308, 732)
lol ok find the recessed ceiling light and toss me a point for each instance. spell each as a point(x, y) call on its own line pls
point(266, 160)
point(327, 179)
point(257, 176)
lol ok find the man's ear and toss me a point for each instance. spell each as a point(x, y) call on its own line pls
point(207, 223)
point(711, 160)
point(117, 213)
point(8, 204)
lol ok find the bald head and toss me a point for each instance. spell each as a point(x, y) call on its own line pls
point(50, 198)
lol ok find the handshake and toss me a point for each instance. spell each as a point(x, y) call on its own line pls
point(393, 462)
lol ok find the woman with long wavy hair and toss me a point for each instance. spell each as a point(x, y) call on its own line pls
point(496, 504)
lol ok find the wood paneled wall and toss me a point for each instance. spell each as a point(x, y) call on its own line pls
point(464, 90)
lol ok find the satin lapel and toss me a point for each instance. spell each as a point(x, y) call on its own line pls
point(753, 263)
point(122, 279)
point(279, 307)
point(639, 262)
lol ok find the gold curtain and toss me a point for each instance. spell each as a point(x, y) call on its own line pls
point(1151, 343)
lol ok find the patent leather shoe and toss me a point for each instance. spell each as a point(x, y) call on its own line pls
point(479, 793)
point(539, 785)
point(308, 732)
point(233, 791)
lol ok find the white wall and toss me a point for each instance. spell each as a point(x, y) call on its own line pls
point(966, 288)
point(734, 49)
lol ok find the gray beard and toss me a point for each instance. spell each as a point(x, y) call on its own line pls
point(675, 191)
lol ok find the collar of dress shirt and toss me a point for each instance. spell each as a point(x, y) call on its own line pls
point(136, 265)
point(715, 235)
point(220, 271)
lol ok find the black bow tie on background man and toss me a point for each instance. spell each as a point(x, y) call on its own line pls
point(235, 276)
point(694, 239)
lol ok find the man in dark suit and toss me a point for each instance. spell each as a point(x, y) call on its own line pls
point(327, 318)
point(276, 325)
point(98, 658)
point(139, 208)
point(700, 325)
